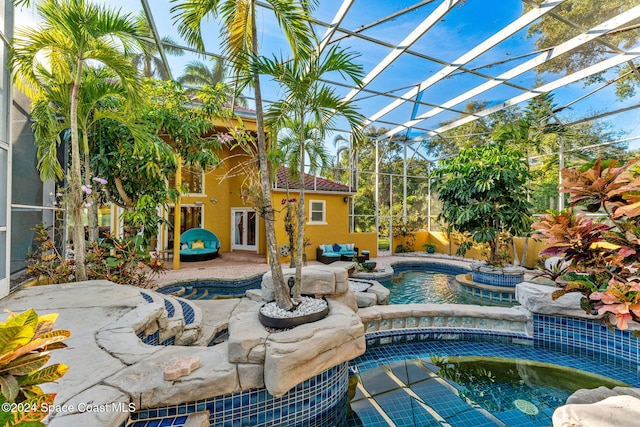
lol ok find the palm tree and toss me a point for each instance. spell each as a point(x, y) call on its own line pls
point(309, 109)
point(288, 152)
point(239, 36)
point(73, 34)
point(100, 100)
point(147, 61)
point(197, 74)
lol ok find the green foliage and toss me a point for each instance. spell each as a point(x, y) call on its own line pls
point(121, 260)
point(46, 264)
point(483, 191)
point(605, 253)
point(70, 36)
point(239, 41)
point(408, 236)
point(137, 162)
point(26, 341)
point(124, 261)
point(306, 113)
point(549, 32)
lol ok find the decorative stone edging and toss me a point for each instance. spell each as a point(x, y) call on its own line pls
point(406, 316)
point(499, 294)
point(506, 277)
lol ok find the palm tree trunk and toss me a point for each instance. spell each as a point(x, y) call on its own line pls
point(281, 290)
point(92, 209)
point(75, 191)
point(300, 247)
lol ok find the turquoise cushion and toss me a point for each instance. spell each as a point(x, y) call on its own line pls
point(197, 251)
point(332, 254)
point(328, 249)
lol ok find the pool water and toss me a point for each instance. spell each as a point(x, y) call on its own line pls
point(418, 384)
point(426, 287)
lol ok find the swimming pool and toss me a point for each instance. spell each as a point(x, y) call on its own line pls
point(213, 288)
point(435, 383)
point(427, 286)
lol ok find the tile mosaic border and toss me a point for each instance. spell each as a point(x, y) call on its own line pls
point(317, 402)
point(588, 337)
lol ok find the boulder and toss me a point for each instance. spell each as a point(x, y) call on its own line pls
point(594, 395)
point(366, 299)
point(145, 384)
point(298, 354)
point(613, 411)
point(381, 293)
point(247, 337)
point(537, 299)
point(348, 298)
point(319, 280)
point(181, 367)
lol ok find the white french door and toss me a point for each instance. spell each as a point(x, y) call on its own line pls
point(244, 229)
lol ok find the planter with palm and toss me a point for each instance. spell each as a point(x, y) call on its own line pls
point(306, 112)
point(239, 38)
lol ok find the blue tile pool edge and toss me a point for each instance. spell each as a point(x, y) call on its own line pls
point(316, 402)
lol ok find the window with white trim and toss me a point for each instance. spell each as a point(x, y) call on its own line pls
point(317, 212)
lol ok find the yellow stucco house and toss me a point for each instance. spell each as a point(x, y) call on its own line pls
point(215, 202)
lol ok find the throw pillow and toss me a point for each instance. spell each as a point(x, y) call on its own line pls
point(198, 244)
point(184, 246)
point(336, 247)
point(328, 248)
point(350, 246)
point(322, 248)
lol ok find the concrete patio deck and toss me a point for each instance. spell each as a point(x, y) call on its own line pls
point(233, 267)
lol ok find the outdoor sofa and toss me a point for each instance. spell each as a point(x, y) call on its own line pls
point(327, 254)
point(198, 244)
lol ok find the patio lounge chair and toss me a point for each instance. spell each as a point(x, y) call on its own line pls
point(327, 254)
point(198, 244)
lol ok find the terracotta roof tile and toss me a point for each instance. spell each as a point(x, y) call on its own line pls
point(310, 182)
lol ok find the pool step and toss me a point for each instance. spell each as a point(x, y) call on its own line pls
point(216, 314)
point(189, 293)
point(180, 324)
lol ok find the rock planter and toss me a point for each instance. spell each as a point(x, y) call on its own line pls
point(310, 310)
point(506, 277)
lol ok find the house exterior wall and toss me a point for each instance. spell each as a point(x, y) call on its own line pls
point(222, 192)
point(334, 230)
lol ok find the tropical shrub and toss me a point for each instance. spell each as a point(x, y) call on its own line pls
point(124, 261)
point(483, 191)
point(46, 264)
point(604, 254)
point(119, 260)
point(26, 341)
point(405, 235)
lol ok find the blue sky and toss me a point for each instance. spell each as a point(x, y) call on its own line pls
point(466, 25)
